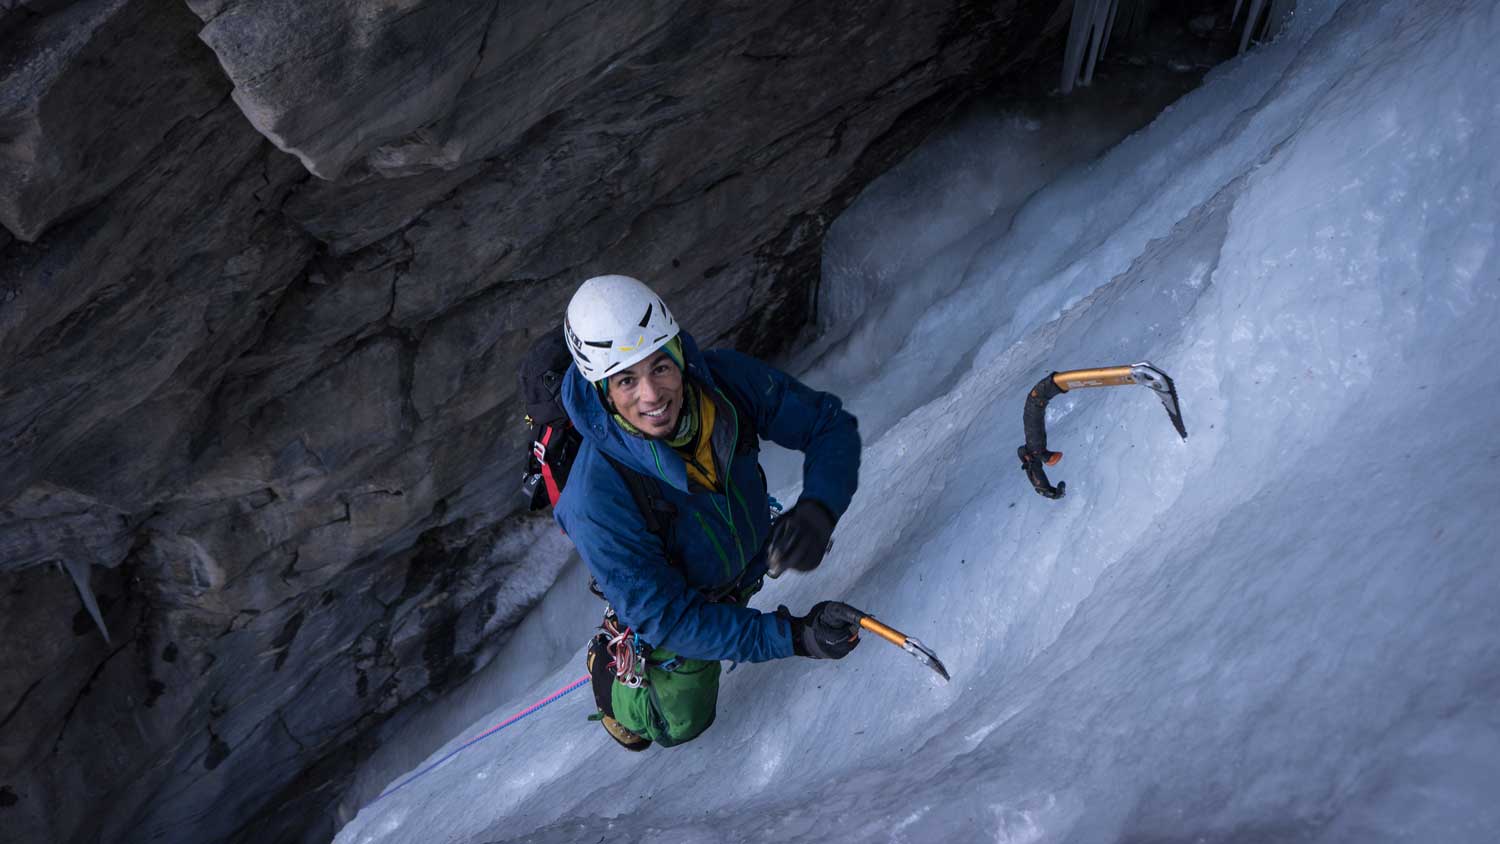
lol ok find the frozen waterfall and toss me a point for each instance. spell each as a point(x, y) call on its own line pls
point(1282, 629)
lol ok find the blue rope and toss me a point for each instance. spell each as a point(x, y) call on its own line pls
point(541, 704)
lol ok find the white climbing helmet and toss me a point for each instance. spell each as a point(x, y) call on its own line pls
point(613, 322)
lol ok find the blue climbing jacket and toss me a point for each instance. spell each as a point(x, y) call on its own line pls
point(717, 537)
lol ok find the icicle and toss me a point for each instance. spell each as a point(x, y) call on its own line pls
point(1274, 19)
point(1094, 23)
point(1073, 54)
point(80, 573)
point(1280, 11)
point(1109, 32)
point(1096, 41)
point(1088, 34)
point(1252, 17)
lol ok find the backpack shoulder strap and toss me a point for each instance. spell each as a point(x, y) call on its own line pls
point(749, 438)
point(657, 512)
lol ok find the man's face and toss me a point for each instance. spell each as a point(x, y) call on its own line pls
point(649, 395)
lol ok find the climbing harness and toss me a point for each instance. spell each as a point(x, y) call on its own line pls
point(576, 684)
point(1034, 454)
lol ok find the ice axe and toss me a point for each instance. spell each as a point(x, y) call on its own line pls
point(1034, 454)
point(921, 652)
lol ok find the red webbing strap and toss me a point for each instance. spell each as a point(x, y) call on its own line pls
point(553, 491)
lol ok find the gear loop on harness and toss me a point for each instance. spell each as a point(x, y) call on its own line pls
point(627, 660)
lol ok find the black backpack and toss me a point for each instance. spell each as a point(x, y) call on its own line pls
point(554, 440)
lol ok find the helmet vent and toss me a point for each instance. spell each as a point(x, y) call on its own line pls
point(647, 318)
point(600, 344)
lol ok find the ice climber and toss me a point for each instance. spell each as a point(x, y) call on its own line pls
point(678, 562)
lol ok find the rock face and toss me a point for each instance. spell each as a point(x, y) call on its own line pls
point(265, 273)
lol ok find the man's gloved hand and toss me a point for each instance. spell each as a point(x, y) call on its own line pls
point(830, 630)
point(800, 538)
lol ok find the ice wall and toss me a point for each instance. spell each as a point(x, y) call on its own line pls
point(1280, 630)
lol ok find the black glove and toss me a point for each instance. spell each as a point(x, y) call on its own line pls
point(830, 630)
point(800, 538)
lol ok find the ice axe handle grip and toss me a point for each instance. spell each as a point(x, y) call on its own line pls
point(1034, 454)
point(845, 614)
point(1032, 466)
point(1035, 417)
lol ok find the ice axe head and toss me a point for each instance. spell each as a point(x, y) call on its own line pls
point(921, 652)
point(1146, 375)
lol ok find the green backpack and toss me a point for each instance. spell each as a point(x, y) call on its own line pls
point(672, 706)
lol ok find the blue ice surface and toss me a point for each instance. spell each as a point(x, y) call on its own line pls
point(1280, 629)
